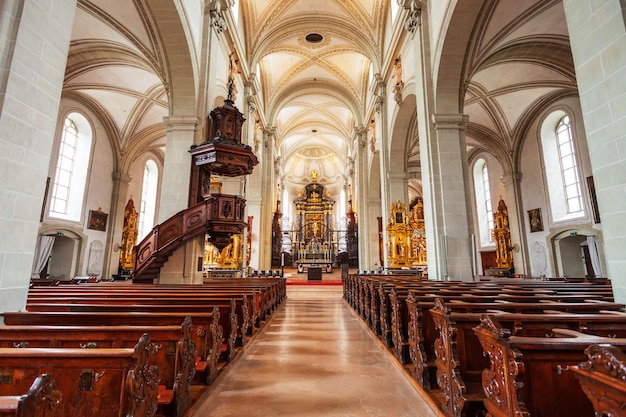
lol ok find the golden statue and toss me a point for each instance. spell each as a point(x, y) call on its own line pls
point(502, 236)
point(129, 236)
point(211, 253)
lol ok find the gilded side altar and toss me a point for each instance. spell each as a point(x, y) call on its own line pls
point(406, 236)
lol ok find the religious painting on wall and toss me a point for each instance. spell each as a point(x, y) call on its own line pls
point(97, 220)
point(534, 219)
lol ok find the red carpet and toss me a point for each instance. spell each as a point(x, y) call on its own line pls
point(306, 282)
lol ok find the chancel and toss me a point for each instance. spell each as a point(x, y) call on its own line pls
point(303, 187)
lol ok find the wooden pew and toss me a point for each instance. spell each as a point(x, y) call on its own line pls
point(175, 357)
point(114, 382)
point(603, 379)
point(207, 333)
point(531, 376)
point(41, 400)
point(245, 313)
point(229, 319)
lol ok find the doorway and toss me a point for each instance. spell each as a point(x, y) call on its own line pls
point(573, 255)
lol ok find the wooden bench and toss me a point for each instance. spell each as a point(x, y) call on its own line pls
point(603, 379)
point(207, 332)
point(532, 376)
point(114, 382)
point(41, 400)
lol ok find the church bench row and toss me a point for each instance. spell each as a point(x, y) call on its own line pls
point(459, 360)
point(234, 313)
point(41, 400)
point(207, 332)
point(236, 321)
point(413, 336)
point(114, 382)
point(244, 309)
point(540, 377)
point(239, 314)
point(175, 357)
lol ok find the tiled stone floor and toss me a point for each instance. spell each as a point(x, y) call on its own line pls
point(314, 358)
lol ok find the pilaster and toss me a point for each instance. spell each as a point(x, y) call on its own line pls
point(450, 192)
point(30, 30)
point(598, 37)
point(177, 166)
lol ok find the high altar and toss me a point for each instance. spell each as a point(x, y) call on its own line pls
point(313, 245)
point(406, 244)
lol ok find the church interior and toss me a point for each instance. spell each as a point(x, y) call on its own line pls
point(447, 176)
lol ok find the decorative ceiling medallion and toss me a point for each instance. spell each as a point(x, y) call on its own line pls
point(313, 40)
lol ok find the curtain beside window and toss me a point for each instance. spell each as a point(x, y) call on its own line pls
point(42, 253)
point(594, 256)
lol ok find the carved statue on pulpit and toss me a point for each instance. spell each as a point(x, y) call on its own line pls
point(129, 237)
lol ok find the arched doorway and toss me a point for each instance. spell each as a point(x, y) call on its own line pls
point(577, 254)
point(64, 259)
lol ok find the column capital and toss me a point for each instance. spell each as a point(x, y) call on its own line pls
point(180, 123)
point(217, 9)
point(414, 16)
point(512, 178)
point(121, 177)
point(450, 120)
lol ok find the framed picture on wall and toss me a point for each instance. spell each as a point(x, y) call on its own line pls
point(97, 220)
point(594, 200)
point(535, 221)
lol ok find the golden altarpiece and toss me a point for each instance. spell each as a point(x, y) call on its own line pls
point(130, 231)
point(406, 237)
point(502, 237)
point(314, 244)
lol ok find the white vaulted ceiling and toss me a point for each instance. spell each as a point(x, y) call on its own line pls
point(314, 89)
point(315, 93)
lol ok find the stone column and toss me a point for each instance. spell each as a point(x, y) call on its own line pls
point(365, 238)
point(177, 166)
point(450, 197)
point(30, 32)
point(247, 137)
point(119, 198)
point(597, 38)
point(443, 163)
point(266, 195)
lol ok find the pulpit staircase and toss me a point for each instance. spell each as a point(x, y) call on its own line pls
point(218, 214)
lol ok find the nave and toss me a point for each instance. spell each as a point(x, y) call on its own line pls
point(314, 358)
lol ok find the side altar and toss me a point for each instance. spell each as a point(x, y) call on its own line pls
point(406, 237)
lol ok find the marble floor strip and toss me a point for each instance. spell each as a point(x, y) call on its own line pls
point(314, 358)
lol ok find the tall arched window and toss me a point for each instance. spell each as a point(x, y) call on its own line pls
point(147, 207)
point(569, 166)
point(70, 177)
point(561, 167)
point(484, 208)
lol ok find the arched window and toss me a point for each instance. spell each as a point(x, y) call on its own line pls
point(70, 177)
point(484, 208)
point(561, 167)
point(147, 207)
point(569, 166)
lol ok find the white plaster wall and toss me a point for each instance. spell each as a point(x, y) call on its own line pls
point(535, 194)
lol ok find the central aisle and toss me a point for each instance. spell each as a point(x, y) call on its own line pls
point(314, 358)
